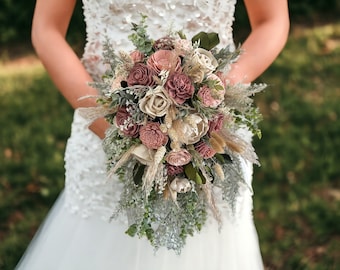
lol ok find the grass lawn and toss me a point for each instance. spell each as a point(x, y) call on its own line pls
point(297, 188)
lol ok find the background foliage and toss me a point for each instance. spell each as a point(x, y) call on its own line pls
point(297, 187)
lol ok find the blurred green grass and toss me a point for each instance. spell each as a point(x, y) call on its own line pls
point(297, 188)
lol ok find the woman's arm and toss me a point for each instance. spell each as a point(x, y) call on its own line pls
point(50, 23)
point(269, 20)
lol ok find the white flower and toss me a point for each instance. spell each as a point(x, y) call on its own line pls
point(190, 129)
point(155, 103)
point(205, 59)
point(180, 185)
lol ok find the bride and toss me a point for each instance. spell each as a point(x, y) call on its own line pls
point(77, 233)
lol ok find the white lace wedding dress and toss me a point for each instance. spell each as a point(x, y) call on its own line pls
point(77, 234)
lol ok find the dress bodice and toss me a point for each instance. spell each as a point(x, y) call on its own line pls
point(113, 18)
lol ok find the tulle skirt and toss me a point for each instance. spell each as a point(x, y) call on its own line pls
point(70, 240)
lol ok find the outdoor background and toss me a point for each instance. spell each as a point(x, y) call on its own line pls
point(297, 188)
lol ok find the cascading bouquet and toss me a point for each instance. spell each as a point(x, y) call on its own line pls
point(174, 132)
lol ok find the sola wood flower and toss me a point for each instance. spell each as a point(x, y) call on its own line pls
point(125, 123)
point(141, 74)
point(212, 96)
point(178, 157)
point(180, 87)
point(190, 129)
point(155, 103)
point(204, 150)
point(164, 60)
point(180, 185)
point(137, 56)
point(152, 136)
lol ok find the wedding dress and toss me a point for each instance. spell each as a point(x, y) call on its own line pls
point(77, 233)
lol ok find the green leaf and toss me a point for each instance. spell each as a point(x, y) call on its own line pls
point(194, 174)
point(206, 40)
point(132, 230)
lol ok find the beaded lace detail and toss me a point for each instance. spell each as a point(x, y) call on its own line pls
point(88, 192)
point(112, 19)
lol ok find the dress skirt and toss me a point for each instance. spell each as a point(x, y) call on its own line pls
point(78, 233)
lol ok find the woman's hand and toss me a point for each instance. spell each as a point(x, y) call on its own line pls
point(49, 27)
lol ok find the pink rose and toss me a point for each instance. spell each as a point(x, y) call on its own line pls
point(180, 87)
point(141, 74)
point(178, 157)
point(137, 56)
point(125, 123)
point(216, 123)
point(164, 60)
point(212, 93)
point(204, 150)
point(152, 136)
point(173, 170)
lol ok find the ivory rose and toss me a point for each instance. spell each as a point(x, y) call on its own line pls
point(179, 87)
point(152, 136)
point(199, 64)
point(141, 74)
point(178, 157)
point(205, 59)
point(155, 103)
point(164, 60)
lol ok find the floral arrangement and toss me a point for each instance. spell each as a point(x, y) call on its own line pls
point(174, 132)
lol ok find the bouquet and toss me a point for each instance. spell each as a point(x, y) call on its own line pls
point(174, 132)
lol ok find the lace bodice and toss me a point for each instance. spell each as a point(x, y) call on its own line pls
point(112, 19)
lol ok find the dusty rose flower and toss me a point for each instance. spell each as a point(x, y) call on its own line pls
point(180, 87)
point(216, 123)
point(155, 103)
point(164, 43)
point(178, 157)
point(137, 56)
point(152, 136)
point(141, 74)
point(173, 170)
point(125, 123)
point(204, 150)
point(183, 46)
point(164, 60)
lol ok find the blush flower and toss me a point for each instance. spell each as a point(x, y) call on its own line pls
point(180, 87)
point(164, 60)
point(141, 74)
point(125, 123)
point(204, 150)
point(212, 94)
point(178, 157)
point(152, 136)
point(137, 56)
